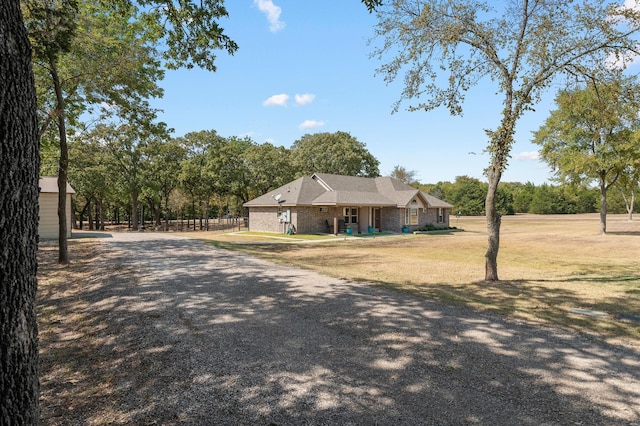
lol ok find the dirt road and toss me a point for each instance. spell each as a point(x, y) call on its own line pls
point(177, 332)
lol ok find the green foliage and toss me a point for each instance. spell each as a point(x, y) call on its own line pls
point(109, 67)
point(544, 201)
point(189, 31)
point(565, 199)
point(51, 26)
point(522, 197)
point(441, 190)
point(504, 201)
point(269, 167)
point(431, 227)
point(590, 134)
point(337, 153)
point(406, 176)
point(90, 173)
point(372, 4)
point(468, 195)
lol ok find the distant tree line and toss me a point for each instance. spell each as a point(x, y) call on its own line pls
point(124, 174)
point(468, 194)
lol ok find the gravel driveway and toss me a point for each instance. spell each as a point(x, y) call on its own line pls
point(195, 335)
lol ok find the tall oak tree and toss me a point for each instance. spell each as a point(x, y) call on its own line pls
point(444, 47)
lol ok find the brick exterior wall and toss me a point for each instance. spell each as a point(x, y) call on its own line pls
point(430, 217)
point(307, 220)
point(264, 219)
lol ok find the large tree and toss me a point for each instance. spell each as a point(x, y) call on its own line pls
point(51, 27)
point(199, 171)
point(90, 175)
point(164, 160)
point(590, 136)
point(445, 47)
point(80, 67)
point(407, 176)
point(194, 39)
point(127, 146)
point(338, 153)
point(269, 168)
point(629, 184)
point(18, 222)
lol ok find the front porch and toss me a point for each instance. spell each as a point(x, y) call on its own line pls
point(356, 220)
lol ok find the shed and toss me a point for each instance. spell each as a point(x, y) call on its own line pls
point(48, 202)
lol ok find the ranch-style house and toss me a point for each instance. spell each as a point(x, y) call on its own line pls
point(328, 203)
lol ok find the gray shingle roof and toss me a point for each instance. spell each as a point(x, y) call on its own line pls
point(329, 190)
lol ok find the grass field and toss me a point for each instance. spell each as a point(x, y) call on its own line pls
point(548, 266)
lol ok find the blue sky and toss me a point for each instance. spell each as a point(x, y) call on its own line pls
point(304, 67)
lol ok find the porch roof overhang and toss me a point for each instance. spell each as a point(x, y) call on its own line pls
point(353, 198)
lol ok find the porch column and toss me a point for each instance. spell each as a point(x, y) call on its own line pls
point(335, 225)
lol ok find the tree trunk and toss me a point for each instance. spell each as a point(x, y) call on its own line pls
point(89, 216)
point(100, 215)
point(493, 226)
point(166, 212)
point(157, 213)
point(193, 214)
point(96, 216)
point(86, 208)
point(206, 219)
point(63, 252)
point(74, 224)
point(74, 207)
point(134, 210)
point(603, 205)
point(19, 170)
point(628, 203)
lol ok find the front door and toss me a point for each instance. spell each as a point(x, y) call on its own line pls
point(376, 218)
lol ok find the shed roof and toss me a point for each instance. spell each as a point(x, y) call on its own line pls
point(50, 185)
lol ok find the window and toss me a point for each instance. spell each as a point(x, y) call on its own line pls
point(350, 215)
point(411, 216)
point(441, 215)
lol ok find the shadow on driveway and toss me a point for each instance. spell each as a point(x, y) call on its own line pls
point(172, 331)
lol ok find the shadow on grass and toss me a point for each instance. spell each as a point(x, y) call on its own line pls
point(183, 333)
point(520, 298)
point(535, 303)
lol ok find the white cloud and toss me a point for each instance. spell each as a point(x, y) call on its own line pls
point(311, 124)
point(277, 100)
point(624, 60)
point(631, 4)
point(305, 99)
point(273, 14)
point(527, 155)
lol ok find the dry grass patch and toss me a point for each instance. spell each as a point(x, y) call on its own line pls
point(548, 265)
point(71, 340)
